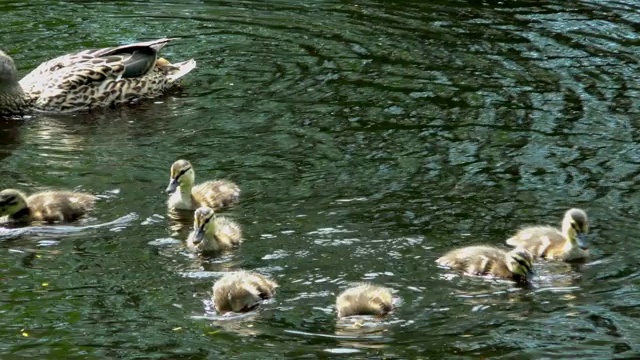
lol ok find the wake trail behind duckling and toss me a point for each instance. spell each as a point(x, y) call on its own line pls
point(62, 230)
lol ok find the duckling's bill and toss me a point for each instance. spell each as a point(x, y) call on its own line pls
point(581, 240)
point(173, 185)
point(198, 235)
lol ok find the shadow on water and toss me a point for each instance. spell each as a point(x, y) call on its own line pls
point(9, 136)
point(368, 138)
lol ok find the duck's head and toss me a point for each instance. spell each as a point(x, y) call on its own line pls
point(244, 298)
point(203, 219)
point(182, 174)
point(520, 262)
point(575, 227)
point(8, 71)
point(12, 202)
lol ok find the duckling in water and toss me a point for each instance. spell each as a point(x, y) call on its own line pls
point(213, 233)
point(241, 291)
point(46, 206)
point(215, 194)
point(487, 260)
point(547, 242)
point(364, 299)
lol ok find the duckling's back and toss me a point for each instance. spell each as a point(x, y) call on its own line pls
point(216, 194)
point(241, 290)
point(228, 232)
point(55, 206)
point(538, 240)
point(365, 299)
point(477, 260)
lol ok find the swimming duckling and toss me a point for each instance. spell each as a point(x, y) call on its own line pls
point(550, 243)
point(215, 194)
point(364, 299)
point(46, 206)
point(213, 233)
point(241, 291)
point(487, 260)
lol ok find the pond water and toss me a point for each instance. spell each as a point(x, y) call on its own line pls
point(369, 137)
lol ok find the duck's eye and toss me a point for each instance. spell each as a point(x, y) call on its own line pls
point(576, 227)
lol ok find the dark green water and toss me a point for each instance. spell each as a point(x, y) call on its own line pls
point(369, 137)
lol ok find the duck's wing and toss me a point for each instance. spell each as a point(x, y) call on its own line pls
point(131, 60)
point(103, 77)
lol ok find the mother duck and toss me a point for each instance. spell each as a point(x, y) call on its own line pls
point(90, 79)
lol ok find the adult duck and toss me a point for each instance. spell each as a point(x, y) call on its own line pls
point(90, 79)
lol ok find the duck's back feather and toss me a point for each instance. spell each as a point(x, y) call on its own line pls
point(102, 77)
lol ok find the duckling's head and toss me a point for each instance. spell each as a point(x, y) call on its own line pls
point(182, 174)
point(8, 71)
point(203, 218)
point(12, 202)
point(575, 226)
point(244, 298)
point(520, 262)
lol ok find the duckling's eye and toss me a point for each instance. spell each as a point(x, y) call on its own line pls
point(206, 221)
point(182, 172)
point(9, 202)
point(575, 227)
point(524, 264)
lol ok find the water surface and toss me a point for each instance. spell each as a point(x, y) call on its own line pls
point(368, 137)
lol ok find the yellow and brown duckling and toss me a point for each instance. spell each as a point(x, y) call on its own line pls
point(241, 291)
point(216, 194)
point(364, 299)
point(46, 206)
point(213, 233)
point(90, 79)
point(483, 260)
point(569, 243)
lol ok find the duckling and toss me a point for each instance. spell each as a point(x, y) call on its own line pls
point(241, 291)
point(547, 242)
point(213, 233)
point(364, 299)
point(215, 194)
point(487, 260)
point(47, 206)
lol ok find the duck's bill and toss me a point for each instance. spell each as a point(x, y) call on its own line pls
point(173, 185)
point(582, 241)
point(198, 236)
